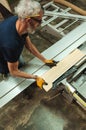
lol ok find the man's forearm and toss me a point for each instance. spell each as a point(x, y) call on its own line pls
point(34, 50)
point(18, 73)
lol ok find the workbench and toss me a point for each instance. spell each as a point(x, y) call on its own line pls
point(13, 86)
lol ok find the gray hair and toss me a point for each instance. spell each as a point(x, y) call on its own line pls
point(27, 8)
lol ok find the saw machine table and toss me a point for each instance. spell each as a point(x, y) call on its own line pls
point(60, 50)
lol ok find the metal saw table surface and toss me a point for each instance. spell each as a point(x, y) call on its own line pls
point(13, 86)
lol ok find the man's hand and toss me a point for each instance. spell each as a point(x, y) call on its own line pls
point(40, 81)
point(51, 63)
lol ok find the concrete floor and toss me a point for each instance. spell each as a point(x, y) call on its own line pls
point(41, 111)
point(34, 109)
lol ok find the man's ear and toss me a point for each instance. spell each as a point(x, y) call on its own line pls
point(27, 19)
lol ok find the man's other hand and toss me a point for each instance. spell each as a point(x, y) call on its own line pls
point(51, 63)
point(40, 82)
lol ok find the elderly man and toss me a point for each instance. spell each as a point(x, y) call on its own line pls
point(14, 35)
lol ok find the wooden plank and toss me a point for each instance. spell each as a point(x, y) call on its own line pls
point(5, 10)
point(64, 65)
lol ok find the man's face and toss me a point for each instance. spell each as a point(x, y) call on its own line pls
point(34, 23)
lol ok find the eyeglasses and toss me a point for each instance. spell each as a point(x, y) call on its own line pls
point(37, 20)
point(34, 18)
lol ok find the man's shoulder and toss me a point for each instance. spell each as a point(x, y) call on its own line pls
point(7, 21)
point(8, 29)
point(12, 18)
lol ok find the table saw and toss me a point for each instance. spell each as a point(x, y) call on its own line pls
point(72, 42)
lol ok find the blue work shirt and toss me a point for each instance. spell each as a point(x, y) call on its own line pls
point(11, 43)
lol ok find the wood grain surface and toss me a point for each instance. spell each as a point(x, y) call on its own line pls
point(61, 67)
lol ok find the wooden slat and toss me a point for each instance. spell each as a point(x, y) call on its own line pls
point(64, 65)
point(5, 3)
point(5, 12)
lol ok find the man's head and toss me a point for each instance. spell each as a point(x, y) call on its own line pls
point(27, 8)
point(29, 11)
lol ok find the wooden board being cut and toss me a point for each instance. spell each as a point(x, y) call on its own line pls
point(61, 67)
